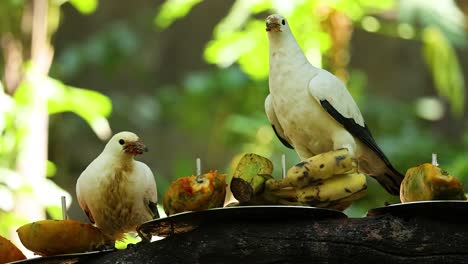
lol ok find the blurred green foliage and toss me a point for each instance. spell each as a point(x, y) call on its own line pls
point(240, 36)
point(85, 7)
point(443, 63)
point(442, 15)
point(172, 10)
point(16, 110)
point(107, 48)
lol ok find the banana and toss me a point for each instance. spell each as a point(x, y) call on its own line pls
point(337, 192)
point(332, 189)
point(343, 203)
point(327, 180)
point(249, 177)
point(321, 167)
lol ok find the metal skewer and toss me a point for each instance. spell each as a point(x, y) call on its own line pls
point(64, 208)
point(434, 159)
point(199, 173)
point(283, 165)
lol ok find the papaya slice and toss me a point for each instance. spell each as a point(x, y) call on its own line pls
point(9, 252)
point(428, 182)
point(54, 237)
point(195, 194)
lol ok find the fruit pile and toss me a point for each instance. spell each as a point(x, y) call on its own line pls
point(326, 180)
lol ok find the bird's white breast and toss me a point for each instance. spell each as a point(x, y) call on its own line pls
point(115, 198)
point(308, 126)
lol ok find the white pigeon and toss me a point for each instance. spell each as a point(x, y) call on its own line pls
point(117, 192)
point(311, 110)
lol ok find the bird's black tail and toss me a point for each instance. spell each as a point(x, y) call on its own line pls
point(390, 180)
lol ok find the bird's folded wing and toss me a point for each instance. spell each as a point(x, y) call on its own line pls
point(270, 111)
point(326, 87)
point(333, 96)
point(83, 205)
point(151, 193)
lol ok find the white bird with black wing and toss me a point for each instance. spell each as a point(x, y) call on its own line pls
point(311, 110)
point(117, 192)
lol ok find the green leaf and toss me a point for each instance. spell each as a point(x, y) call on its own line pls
point(51, 168)
point(92, 106)
point(85, 7)
point(248, 47)
point(55, 212)
point(10, 220)
point(86, 103)
point(445, 68)
point(171, 10)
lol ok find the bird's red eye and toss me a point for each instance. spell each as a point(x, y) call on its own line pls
point(121, 142)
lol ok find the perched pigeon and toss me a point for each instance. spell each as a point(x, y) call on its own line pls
point(312, 111)
point(117, 192)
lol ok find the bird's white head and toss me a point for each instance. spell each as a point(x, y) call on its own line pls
point(276, 24)
point(127, 143)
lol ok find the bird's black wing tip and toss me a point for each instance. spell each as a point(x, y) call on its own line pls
point(390, 181)
point(90, 216)
point(361, 132)
point(284, 141)
point(154, 209)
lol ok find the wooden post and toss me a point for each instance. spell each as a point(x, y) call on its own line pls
point(376, 239)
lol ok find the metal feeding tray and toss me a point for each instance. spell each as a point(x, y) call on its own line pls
point(187, 221)
point(450, 209)
point(64, 258)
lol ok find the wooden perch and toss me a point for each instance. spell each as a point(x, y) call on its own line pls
point(375, 239)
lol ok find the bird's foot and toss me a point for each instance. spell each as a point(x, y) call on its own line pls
point(132, 246)
point(145, 238)
point(107, 246)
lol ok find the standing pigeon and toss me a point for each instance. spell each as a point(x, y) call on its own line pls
point(117, 192)
point(311, 110)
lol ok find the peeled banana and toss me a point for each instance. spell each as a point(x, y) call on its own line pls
point(321, 167)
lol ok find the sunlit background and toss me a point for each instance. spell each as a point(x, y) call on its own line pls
point(190, 78)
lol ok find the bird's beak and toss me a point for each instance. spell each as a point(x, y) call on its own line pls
point(135, 148)
point(273, 26)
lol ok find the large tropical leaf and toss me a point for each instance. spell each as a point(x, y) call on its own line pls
point(171, 10)
point(445, 68)
point(85, 7)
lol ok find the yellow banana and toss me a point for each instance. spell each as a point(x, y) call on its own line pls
point(321, 167)
point(337, 192)
point(326, 180)
point(332, 189)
